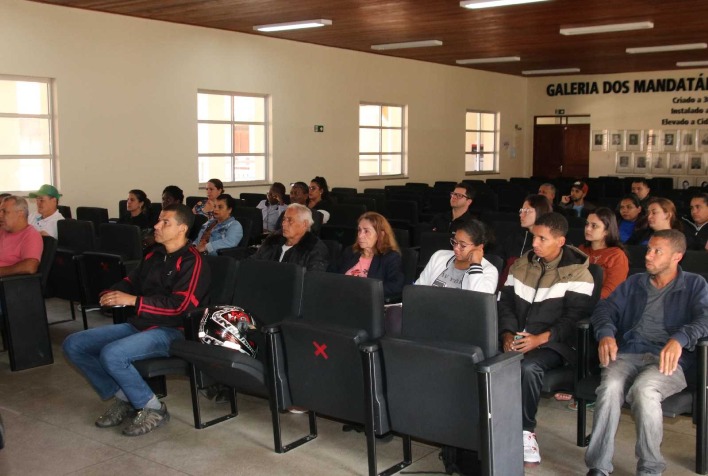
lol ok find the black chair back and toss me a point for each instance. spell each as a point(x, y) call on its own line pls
point(256, 217)
point(223, 279)
point(47, 260)
point(252, 199)
point(192, 200)
point(345, 214)
point(199, 220)
point(96, 215)
point(154, 213)
point(76, 235)
point(120, 239)
point(64, 210)
point(97, 272)
point(247, 227)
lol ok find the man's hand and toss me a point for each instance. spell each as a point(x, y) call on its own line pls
point(669, 357)
point(565, 199)
point(607, 351)
point(118, 298)
point(507, 341)
point(529, 342)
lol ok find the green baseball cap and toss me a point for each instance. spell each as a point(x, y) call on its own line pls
point(46, 190)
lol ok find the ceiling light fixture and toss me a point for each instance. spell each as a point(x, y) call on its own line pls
point(293, 25)
point(661, 49)
point(551, 71)
point(500, 59)
point(588, 30)
point(690, 64)
point(407, 44)
point(478, 4)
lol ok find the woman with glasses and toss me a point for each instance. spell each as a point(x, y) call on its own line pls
point(603, 247)
point(214, 188)
point(375, 254)
point(464, 267)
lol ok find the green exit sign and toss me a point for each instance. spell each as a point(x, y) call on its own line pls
point(319, 128)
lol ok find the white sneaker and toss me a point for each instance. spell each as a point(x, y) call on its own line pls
point(532, 455)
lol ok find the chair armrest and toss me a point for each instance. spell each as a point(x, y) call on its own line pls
point(498, 362)
point(20, 277)
point(369, 347)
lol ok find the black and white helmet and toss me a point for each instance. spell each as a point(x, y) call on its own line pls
point(227, 326)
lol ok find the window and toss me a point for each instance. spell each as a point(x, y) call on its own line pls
point(232, 137)
point(481, 142)
point(26, 133)
point(381, 140)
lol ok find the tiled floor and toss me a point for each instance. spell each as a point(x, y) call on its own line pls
point(49, 414)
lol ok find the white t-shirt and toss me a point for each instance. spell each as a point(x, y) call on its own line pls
point(47, 225)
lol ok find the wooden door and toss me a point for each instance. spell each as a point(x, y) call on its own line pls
point(561, 150)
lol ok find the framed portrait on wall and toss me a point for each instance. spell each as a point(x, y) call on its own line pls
point(688, 140)
point(703, 140)
point(635, 140)
point(599, 140)
point(659, 163)
point(615, 140)
point(677, 164)
point(624, 163)
point(696, 163)
point(669, 140)
point(652, 140)
point(683, 182)
point(641, 163)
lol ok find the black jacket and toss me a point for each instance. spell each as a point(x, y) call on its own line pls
point(387, 267)
point(309, 252)
point(167, 286)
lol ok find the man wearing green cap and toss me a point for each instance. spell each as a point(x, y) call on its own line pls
point(46, 218)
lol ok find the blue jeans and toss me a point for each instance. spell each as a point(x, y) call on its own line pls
point(105, 356)
point(637, 376)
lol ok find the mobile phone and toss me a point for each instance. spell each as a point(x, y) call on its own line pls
point(517, 337)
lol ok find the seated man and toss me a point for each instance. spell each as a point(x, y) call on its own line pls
point(273, 206)
point(642, 329)
point(21, 245)
point(641, 188)
point(47, 215)
point(548, 290)
point(172, 195)
point(460, 201)
point(295, 243)
point(548, 190)
point(299, 192)
point(575, 202)
point(170, 281)
point(696, 230)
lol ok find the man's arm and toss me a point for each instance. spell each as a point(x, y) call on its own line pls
point(689, 334)
point(26, 266)
point(318, 258)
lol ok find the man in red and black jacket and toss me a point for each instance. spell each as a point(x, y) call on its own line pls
point(171, 280)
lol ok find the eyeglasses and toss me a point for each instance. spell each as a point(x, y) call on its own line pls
point(461, 244)
point(458, 195)
point(312, 187)
point(526, 211)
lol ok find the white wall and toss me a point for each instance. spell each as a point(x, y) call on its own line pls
point(126, 101)
point(631, 110)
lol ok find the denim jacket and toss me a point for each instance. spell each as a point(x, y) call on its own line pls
point(685, 314)
point(224, 235)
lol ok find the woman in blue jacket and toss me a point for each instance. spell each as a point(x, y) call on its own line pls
point(222, 231)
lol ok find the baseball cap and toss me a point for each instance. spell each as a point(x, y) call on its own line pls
point(46, 190)
point(580, 186)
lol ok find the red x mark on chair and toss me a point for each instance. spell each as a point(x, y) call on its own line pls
point(320, 350)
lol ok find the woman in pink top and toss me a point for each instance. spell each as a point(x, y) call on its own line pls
point(603, 247)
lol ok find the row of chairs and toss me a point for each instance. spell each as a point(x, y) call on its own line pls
point(334, 360)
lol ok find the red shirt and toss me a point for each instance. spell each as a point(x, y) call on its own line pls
point(19, 246)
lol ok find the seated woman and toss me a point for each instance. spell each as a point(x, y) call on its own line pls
point(222, 231)
point(375, 254)
point(661, 215)
point(138, 207)
point(603, 247)
point(632, 217)
point(318, 197)
point(214, 189)
point(464, 267)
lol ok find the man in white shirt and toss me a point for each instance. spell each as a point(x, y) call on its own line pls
point(45, 219)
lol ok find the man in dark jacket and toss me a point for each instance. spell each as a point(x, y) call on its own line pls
point(461, 199)
point(696, 228)
point(295, 243)
point(547, 291)
point(171, 280)
point(643, 328)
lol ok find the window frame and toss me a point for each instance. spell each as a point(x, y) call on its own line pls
point(52, 125)
point(267, 133)
point(381, 128)
point(493, 153)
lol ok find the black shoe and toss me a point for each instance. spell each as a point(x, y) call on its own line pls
point(595, 472)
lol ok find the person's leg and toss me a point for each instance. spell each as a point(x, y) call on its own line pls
point(117, 359)
point(533, 368)
point(84, 348)
point(616, 378)
point(650, 388)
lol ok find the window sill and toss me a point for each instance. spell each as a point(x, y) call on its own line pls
point(368, 178)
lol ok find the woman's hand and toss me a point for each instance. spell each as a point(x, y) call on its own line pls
point(476, 254)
